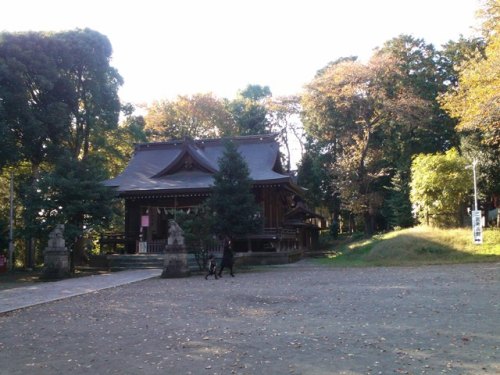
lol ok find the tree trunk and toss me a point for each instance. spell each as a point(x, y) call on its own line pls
point(28, 220)
point(368, 219)
point(80, 257)
point(352, 224)
point(30, 253)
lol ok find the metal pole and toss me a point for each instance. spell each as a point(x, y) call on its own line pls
point(477, 232)
point(474, 162)
point(11, 223)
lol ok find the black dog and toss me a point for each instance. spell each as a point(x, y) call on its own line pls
point(212, 267)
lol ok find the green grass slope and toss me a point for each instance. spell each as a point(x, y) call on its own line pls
point(417, 246)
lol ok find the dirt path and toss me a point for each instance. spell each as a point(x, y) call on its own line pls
point(295, 319)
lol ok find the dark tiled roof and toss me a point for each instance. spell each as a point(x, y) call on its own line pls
point(189, 164)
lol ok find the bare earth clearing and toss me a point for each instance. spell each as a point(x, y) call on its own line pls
point(293, 319)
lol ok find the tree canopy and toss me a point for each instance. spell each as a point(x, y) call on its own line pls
point(58, 104)
point(196, 116)
point(283, 116)
point(355, 107)
point(57, 90)
point(475, 101)
point(249, 110)
point(440, 186)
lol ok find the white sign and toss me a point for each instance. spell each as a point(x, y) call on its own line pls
point(477, 230)
point(143, 247)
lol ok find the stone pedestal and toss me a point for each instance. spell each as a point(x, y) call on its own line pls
point(56, 256)
point(175, 264)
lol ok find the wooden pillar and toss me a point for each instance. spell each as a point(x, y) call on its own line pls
point(132, 224)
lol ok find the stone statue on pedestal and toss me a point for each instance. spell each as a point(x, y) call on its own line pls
point(175, 264)
point(56, 256)
point(175, 234)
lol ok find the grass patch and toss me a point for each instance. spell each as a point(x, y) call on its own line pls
point(417, 246)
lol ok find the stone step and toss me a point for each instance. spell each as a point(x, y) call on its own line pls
point(133, 261)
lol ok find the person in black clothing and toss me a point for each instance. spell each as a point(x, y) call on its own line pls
point(227, 258)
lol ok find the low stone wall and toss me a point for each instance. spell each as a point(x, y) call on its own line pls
point(99, 261)
point(267, 258)
point(147, 261)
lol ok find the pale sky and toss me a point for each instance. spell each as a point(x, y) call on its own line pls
point(166, 48)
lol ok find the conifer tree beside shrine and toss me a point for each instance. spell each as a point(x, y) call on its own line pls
point(232, 202)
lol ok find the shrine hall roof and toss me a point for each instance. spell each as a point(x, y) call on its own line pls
point(188, 164)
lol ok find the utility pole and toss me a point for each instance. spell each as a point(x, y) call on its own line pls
point(11, 222)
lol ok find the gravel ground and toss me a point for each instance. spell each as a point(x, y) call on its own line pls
point(294, 319)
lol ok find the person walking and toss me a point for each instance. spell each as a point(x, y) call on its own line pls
point(227, 258)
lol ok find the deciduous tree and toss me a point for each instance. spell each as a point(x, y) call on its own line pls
point(197, 116)
point(425, 72)
point(440, 185)
point(353, 106)
point(475, 102)
point(283, 114)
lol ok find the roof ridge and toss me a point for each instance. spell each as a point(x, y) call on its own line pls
point(179, 142)
point(195, 153)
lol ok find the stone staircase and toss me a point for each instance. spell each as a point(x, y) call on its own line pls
point(117, 262)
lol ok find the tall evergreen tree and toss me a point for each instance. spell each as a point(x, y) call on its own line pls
point(58, 96)
point(397, 204)
point(235, 211)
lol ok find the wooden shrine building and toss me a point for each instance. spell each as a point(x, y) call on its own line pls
point(178, 175)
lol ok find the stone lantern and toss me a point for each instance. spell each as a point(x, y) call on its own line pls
point(56, 256)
